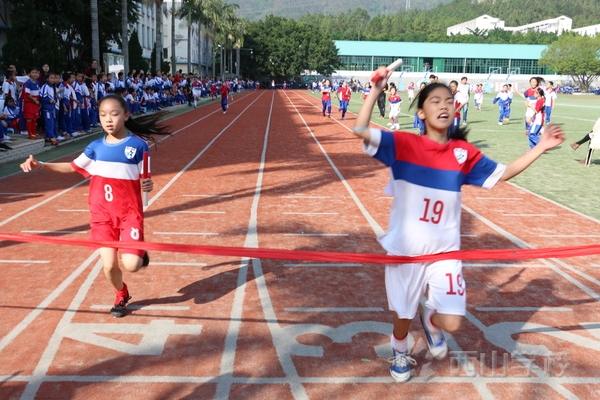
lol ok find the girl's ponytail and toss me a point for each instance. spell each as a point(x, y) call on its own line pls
point(144, 126)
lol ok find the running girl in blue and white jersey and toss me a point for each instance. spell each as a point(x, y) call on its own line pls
point(427, 173)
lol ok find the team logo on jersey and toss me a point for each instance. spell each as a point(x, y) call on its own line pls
point(135, 234)
point(461, 155)
point(130, 152)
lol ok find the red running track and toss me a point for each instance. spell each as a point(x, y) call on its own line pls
point(273, 173)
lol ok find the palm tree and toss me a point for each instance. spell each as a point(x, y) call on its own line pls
point(205, 13)
point(124, 37)
point(159, 32)
point(173, 43)
point(95, 30)
point(225, 31)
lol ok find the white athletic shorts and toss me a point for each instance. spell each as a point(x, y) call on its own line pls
point(443, 282)
point(197, 92)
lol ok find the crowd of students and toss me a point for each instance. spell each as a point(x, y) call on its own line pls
point(64, 105)
point(539, 98)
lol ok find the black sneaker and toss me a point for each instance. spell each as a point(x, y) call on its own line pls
point(146, 261)
point(120, 308)
point(4, 146)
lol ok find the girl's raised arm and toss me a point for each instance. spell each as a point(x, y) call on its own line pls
point(361, 126)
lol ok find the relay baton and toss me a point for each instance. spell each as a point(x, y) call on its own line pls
point(377, 77)
point(145, 175)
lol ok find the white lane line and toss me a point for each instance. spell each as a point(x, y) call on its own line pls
point(529, 215)
point(177, 264)
point(499, 198)
point(141, 307)
point(6, 340)
point(223, 390)
point(82, 210)
point(187, 233)
point(196, 212)
point(315, 234)
point(42, 203)
point(323, 265)
point(39, 374)
point(570, 236)
point(426, 380)
point(310, 213)
point(524, 245)
point(374, 225)
point(40, 231)
point(544, 309)
point(385, 198)
point(207, 195)
point(299, 196)
point(24, 261)
point(189, 165)
point(468, 235)
point(554, 202)
point(333, 309)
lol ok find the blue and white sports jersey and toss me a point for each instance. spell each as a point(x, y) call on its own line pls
point(426, 180)
point(115, 170)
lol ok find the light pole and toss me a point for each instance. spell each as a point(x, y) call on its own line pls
point(237, 64)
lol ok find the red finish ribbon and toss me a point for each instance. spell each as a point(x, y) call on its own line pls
point(282, 254)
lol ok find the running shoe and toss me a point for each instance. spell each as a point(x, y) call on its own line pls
point(120, 308)
point(400, 369)
point(435, 338)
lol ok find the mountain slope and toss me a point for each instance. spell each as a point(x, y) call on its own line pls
point(258, 9)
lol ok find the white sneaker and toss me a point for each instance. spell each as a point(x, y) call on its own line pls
point(24, 133)
point(6, 139)
point(499, 123)
point(435, 338)
point(390, 124)
point(74, 134)
point(400, 369)
point(60, 138)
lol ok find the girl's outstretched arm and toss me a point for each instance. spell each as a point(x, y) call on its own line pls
point(363, 118)
point(552, 137)
point(31, 164)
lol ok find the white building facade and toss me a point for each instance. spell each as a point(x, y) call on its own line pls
point(482, 23)
point(557, 25)
point(201, 55)
point(201, 49)
point(591, 30)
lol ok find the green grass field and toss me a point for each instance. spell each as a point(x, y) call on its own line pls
point(557, 175)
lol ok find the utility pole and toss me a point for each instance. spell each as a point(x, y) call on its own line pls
point(407, 5)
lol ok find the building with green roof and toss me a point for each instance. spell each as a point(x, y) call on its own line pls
point(463, 58)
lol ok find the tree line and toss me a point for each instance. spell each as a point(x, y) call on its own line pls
point(430, 25)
